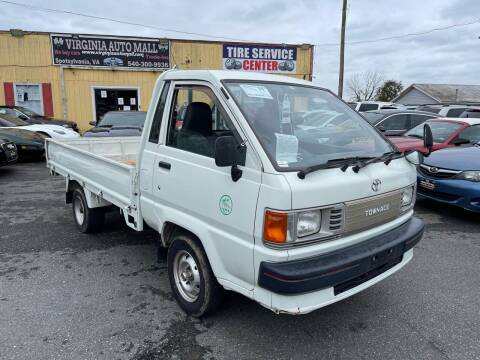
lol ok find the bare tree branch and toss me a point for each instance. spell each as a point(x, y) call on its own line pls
point(364, 85)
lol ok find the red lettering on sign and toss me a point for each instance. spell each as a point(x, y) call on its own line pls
point(260, 65)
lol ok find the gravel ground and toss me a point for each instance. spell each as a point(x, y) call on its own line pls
point(66, 295)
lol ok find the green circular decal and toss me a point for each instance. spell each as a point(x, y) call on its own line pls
point(225, 204)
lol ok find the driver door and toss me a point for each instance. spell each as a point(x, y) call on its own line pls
point(187, 182)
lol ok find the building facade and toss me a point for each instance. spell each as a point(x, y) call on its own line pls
point(80, 77)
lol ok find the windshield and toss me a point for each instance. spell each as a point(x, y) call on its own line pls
point(372, 117)
point(123, 118)
point(441, 130)
point(6, 120)
point(301, 126)
point(27, 112)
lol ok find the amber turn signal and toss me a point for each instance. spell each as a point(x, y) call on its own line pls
point(275, 227)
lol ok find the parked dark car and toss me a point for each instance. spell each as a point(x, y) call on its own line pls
point(395, 121)
point(32, 117)
point(473, 112)
point(452, 176)
point(118, 123)
point(30, 145)
point(8, 152)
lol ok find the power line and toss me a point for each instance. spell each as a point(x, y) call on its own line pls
point(401, 36)
point(45, 9)
point(394, 37)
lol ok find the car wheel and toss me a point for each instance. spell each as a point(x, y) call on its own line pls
point(193, 283)
point(88, 220)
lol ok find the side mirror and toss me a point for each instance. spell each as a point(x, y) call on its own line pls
point(226, 152)
point(93, 123)
point(427, 138)
point(414, 157)
point(381, 128)
point(460, 141)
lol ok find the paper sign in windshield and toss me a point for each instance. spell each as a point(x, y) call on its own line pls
point(287, 149)
point(256, 91)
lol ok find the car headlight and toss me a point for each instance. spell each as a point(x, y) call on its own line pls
point(408, 198)
point(308, 223)
point(469, 176)
point(59, 132)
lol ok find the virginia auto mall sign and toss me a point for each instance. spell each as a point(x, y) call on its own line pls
point(109, 51)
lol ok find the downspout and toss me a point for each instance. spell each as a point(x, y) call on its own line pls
point(62, 90)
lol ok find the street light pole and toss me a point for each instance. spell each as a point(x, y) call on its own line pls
point(342, 50)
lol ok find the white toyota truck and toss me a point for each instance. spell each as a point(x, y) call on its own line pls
point(247, 195)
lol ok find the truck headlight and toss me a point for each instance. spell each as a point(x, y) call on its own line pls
point(284, 228)
point(308, 223)
point(469, 176)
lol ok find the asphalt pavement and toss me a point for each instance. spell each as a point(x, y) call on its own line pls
point(66, 295)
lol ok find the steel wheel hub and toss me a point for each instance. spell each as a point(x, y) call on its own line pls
point(79, 210)
point(187, 276)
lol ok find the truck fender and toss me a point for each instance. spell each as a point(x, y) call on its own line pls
point(93, 200)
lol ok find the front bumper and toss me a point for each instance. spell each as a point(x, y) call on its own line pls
point(462, 193)
point(345, 269)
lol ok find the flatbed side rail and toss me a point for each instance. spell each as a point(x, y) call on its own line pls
point(107, 179)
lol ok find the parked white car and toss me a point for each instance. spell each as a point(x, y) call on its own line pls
point(52, 131)
point(361, 106)
point(243, 202)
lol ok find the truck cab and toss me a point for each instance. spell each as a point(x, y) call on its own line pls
point(246, 199)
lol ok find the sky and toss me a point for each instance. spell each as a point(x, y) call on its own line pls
point(450, 56)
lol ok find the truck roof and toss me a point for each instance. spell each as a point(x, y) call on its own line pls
point(218, 75)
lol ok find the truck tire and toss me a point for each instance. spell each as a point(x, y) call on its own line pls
point(88, 220)
point(193, 283)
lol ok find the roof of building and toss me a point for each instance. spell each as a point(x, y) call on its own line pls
point(447, 93)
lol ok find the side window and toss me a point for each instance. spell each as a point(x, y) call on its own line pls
point(157, 118)
point(395, 122)
point(418, 119)
point(471, 133)
point(196, 120)
point(367, 107)
point(455, 112)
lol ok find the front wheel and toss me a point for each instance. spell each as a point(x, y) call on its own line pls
point(88, 220)
point(193, 283)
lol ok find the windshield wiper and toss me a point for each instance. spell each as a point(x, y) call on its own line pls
point(386, 158)
point(416, 136)
point(333, 163)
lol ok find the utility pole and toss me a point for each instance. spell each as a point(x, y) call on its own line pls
point(342, 50)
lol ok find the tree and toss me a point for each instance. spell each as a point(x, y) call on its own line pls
point(365, 85)
point(389, 90)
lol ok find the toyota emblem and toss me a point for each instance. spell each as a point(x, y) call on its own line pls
point(376, 184)
point(433, 170)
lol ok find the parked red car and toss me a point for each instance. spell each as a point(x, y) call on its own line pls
point(447, 132)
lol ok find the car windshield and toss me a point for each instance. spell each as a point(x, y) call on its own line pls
point(441, 130)
point(289, 121)
point(6, 120)
point(28, 112)
point(123, 118)
point(372, 117)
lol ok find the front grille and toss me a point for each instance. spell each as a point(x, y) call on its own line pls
point(373, 211)
point(10, 150)
point(439, 195)
point(436, 173)
point(336, 219)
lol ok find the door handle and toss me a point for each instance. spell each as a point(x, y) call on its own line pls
point(164, 165)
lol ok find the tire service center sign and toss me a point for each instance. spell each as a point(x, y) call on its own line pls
point(271, 59)
point(107, 51)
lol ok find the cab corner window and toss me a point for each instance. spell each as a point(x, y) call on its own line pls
point(196, 120)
